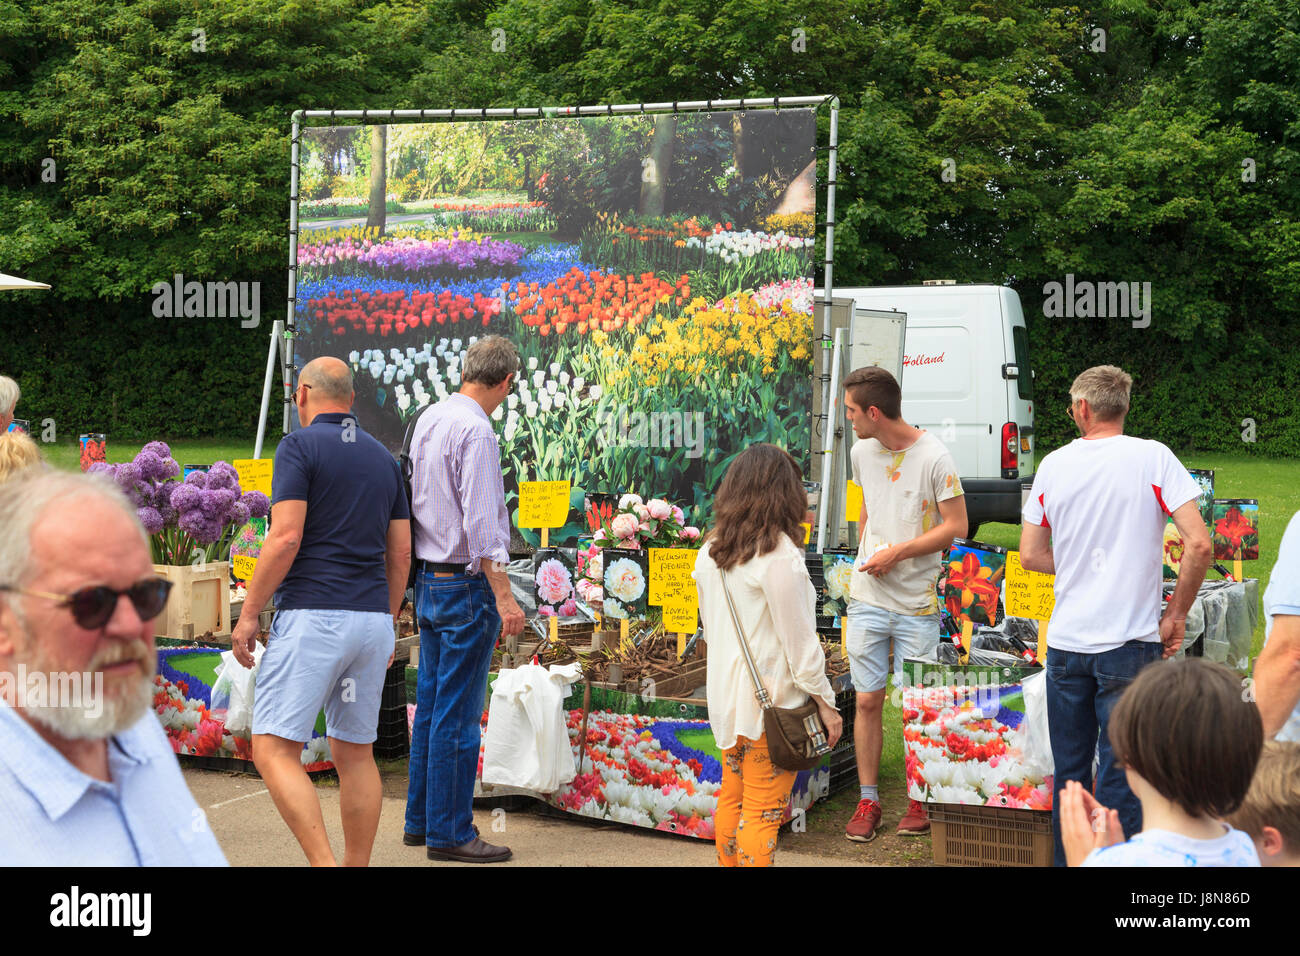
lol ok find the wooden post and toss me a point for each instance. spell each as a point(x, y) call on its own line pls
point(967, 628)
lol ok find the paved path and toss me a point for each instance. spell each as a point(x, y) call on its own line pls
point(251, 833)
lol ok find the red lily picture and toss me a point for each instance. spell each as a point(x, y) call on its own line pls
point(974, 582)
point(1236, 529)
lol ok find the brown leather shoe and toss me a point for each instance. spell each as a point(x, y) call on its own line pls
point(475, 851)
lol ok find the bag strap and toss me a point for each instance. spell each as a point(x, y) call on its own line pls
point(764, 699)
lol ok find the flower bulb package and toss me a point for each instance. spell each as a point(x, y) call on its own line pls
point(1235, 531)
point(627, 578)
point(554, 582)
point(837, 577)
point(973, 582)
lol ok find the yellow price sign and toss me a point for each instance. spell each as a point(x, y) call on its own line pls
point(1029, 593)
point(853, 502)
point(243, 566)
point(670, 576)
point(544, 504)
point(681, 618)
point(254, 474)
point(807, 531)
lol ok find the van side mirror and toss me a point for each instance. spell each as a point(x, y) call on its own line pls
point(1010, 371)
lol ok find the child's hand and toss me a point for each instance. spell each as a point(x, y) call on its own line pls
point(1085, 824)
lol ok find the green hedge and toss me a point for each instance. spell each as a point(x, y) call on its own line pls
point(115, 368)
point(1192, 395)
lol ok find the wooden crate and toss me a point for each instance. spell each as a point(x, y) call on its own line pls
point(199, 603)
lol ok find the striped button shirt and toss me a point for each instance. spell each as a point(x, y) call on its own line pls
point(53, 814)
point(458, 496)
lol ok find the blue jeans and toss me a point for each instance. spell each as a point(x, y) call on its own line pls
point(459, 626)
point(1082, 690)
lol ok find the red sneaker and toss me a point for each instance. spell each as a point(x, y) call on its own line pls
point(862, 828)
point(915, 821)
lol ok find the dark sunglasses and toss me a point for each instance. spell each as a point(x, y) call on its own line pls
point(93, 607)
point(294, 395)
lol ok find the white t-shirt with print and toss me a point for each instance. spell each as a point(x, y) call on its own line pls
point(1282, 597)
point(901, 492)
point(1165, 848)
point(1106, 501)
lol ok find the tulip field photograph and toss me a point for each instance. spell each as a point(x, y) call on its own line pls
point(634, 280)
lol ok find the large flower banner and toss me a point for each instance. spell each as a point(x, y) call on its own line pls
point(654, 272)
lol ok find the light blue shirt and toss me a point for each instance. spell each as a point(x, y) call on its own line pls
point(1164, 848)
point(1282, 596)
point(53, 814)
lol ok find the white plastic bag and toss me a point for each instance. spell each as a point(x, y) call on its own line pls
point(526, 744)
point(1037, 744)
point(234, 687)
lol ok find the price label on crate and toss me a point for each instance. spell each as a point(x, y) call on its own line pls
point(544, 504)
point(670, 576)
point(1029, 593)
point(243, 566)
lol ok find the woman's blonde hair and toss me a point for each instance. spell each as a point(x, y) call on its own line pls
point(17, 451)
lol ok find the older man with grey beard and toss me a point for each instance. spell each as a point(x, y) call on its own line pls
point(87, 777)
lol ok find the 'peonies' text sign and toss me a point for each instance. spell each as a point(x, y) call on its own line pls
point(670, 577)
point(1029, 593)
point(544, 504)
point(254, 474)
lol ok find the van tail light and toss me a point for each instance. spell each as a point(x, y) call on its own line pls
point(1010, 450)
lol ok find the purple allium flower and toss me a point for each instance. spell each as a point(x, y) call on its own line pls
point(259, 506)
point(197, 479)
point(102, 468)
point(141, 494)
point(149, 466)
point(202, 529)
point(223, 475)
point(151, 519)
point(127, 475)
point(239, 514)
point(187, 497)
point(216, 503)
point(159, 449)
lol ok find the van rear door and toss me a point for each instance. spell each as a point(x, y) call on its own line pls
point(1020, 390)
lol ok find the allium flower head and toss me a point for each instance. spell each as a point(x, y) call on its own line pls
point(259, 506)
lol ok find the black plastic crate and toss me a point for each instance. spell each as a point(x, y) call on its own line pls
point(394, 740)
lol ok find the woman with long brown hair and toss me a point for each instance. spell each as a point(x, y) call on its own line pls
point(756, 541)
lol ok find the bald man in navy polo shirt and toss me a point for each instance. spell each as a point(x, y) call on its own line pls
point(337, 559)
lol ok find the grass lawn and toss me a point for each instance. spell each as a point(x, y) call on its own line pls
point(196, 451)
point(1272, 480)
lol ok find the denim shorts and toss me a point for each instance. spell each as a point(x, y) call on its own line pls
point(869, 632)
point(314, 659)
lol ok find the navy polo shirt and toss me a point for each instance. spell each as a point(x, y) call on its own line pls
point(353, 489)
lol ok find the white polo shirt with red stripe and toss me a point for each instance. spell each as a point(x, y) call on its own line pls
point(1106, 501)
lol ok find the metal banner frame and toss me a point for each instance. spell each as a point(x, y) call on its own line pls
point(281, 349)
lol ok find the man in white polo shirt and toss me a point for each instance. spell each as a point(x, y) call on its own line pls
point(1095, 518)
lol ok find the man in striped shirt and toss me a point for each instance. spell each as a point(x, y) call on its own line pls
point(462, 600)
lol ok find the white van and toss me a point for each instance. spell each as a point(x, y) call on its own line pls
point(968, 379)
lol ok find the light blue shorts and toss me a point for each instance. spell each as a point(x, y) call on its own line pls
point(869, 632)
point(335, 660)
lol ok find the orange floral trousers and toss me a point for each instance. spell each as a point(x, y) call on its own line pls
point(751, 804)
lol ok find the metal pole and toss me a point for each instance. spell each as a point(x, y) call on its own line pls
point(829, 491)
point(290, 325)
point(554, 111)
point(827, 290)
point(271, 355)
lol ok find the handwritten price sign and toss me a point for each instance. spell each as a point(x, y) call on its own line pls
point(670, 576)
point(1029, 593)
point(543, 504)
point(243, 566)
point(254, 474)
point(680, 618)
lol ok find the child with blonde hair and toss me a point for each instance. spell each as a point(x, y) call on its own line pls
point(1270, 814)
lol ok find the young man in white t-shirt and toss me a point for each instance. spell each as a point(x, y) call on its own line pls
point(912, 509)
point(1095, 518)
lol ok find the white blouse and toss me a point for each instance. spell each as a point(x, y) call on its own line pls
point(776, 603)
